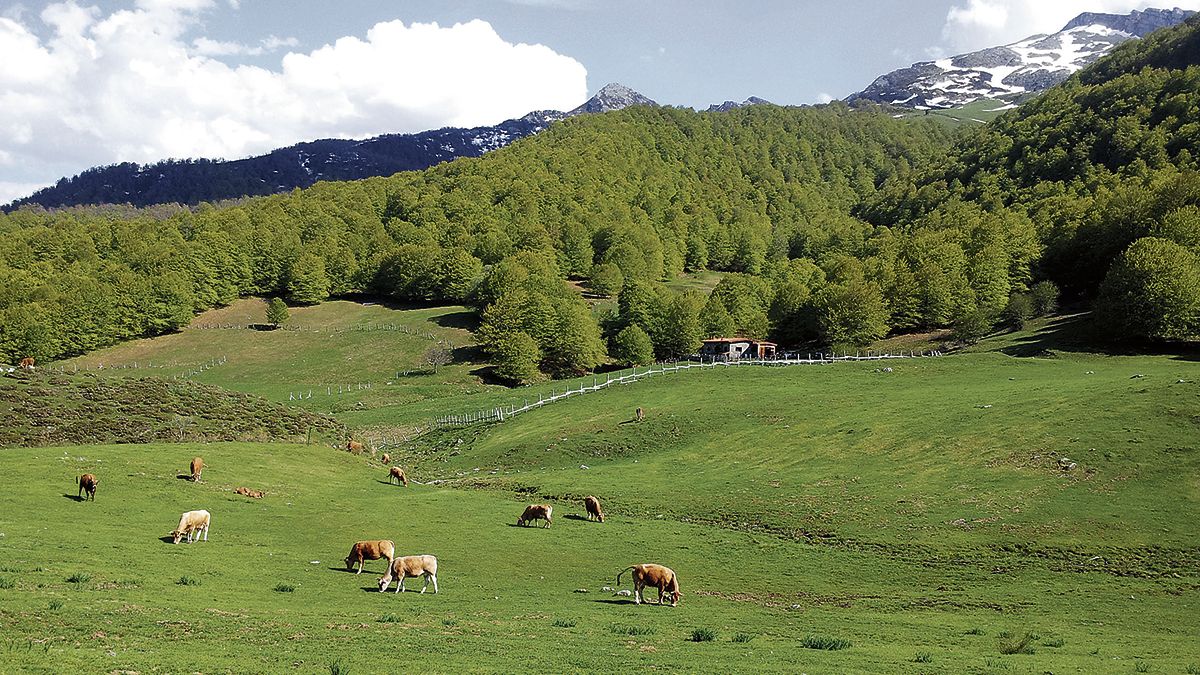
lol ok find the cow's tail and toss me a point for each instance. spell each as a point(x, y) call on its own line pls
point(621, 573)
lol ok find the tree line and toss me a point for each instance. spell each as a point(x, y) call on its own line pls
point(834, 227)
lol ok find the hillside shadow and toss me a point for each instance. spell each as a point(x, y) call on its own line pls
point(487, 375)
point(462, 320)
point(76, 498)
point(469, 354)
point(1077, 333)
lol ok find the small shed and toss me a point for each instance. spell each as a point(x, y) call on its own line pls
point(725, 349)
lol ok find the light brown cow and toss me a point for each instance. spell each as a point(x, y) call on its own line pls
point(410, 566)
point(192, 522)
point(536, 512)
point(639, 414)
point(396, 475)
point(593, 508)
point(649, 574)
point(197, 468)
point(370, 550)
point(245, 491)
point(354, 447)
point(386, 459)
point(87, 483)
point(27, 363)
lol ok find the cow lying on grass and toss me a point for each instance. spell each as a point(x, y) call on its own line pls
point(649, 574)
point(370, 550)
point(87, 483)
point(410, 566)
point(247, 492)
point(536, 512)
point(396, 475)
point(593, 508)
point(192, 523)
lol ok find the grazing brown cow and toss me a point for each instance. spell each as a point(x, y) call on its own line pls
point(354, 447)
point(593, 508)
point(396, 475)
point(536, 512)
point(87, 483)
point(386, 459)
point(197, 468)
point(27, 363)
point(370, 550)
point(253, 494)
point(649, 574)
point(639, 414)
point(410, 566)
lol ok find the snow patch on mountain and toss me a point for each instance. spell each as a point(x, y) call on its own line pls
point(1011, 71)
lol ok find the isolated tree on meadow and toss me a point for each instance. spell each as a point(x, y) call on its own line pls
point(439, 355)
point(277, 312)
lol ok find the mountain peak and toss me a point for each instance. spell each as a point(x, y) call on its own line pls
point(1138, 22)
point(612, 96)
point(1011, 72)
point(733, 105)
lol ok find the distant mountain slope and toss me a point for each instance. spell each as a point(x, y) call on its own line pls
point(191, 181)
point(1031, 65)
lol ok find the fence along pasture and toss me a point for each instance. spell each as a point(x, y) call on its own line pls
point(505, 412)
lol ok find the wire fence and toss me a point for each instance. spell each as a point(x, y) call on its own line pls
point(600, 382)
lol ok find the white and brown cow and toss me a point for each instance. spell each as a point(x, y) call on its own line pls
point(410, 566)
point(192, 523)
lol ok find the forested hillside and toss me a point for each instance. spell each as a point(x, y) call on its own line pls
point(1102, 165)
point(630, 197)
point(838, 226)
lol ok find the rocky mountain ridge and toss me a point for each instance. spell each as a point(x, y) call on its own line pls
point(1011, 71)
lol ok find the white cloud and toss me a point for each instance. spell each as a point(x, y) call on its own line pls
point(975, 24)
point(142, 84)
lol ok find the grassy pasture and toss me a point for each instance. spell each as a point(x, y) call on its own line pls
point(331, 352)
point(822, 519)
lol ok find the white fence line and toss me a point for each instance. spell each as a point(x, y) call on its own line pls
point(502, 413)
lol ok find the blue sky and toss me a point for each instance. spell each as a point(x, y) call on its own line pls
point(92, 83)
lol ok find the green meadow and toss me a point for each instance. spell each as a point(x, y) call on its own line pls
point(832, 518)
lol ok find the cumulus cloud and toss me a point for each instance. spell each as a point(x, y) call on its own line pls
point(84, 88)
point(974, 24)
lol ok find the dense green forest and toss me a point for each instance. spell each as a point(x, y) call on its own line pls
point(838, 226)
point(1100, 165)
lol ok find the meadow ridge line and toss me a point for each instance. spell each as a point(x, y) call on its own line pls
point(499, 414)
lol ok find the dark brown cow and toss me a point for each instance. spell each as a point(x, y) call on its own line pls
point(639, 414)
point(197, 468)
point(536, 512)
point(649, 574)
point(87, 483)
point(593, 508)
point(396, 475)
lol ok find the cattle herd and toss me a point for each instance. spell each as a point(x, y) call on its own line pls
point(194, 526)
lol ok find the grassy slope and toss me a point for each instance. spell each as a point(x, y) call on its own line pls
point(837, 490)
point(274, 363)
